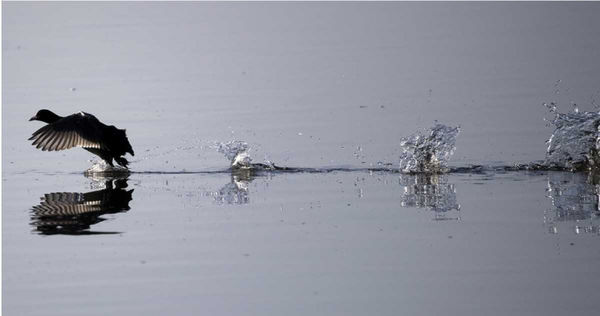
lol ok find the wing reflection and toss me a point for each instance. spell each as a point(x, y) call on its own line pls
point(73, 213)
point(574, 201)
point(430, 191)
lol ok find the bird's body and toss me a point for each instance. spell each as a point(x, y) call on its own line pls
point(81, 130)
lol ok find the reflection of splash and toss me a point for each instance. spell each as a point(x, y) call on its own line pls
point(575, 142)
point(73, 213)
point(100, 180)
point(428, 152)
point(236, 191)
point(574, 201)
point(430, 191)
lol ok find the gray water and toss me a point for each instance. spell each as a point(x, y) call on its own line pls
point(334, 90)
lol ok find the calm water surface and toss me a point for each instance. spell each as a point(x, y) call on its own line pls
point(306, 85)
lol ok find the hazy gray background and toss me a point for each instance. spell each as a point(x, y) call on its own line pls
point(306, 84)
point(177, 74)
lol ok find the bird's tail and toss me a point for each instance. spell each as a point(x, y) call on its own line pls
point(122, 161)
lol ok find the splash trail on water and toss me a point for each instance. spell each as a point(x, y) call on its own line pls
point(573, 146)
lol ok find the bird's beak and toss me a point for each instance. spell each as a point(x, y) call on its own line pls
point(33, 118)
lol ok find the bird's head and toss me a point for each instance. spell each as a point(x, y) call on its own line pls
point(45, 116)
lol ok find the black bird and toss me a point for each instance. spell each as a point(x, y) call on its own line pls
point(81, 130)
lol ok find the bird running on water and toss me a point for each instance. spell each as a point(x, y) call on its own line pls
point(81, 130)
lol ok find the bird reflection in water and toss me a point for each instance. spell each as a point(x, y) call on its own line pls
point(575, 198)
point(73, 213)
point(430, 191)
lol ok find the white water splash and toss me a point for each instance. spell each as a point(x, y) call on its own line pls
point(101, 167)
point(428, 151)
point(236, 152)
point(575, 141)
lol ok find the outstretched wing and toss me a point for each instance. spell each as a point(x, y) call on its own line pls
point(77, 130)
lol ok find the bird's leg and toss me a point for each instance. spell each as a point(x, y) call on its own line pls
point(108, 160)
point(122, 161)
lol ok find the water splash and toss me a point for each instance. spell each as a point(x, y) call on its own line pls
point(428, 151)
point(575, 141)
point(236, 151)
point(101, 168)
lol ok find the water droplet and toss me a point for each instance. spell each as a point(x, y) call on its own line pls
point(575, 108)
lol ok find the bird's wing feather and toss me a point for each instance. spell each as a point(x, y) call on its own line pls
point(72, 131)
